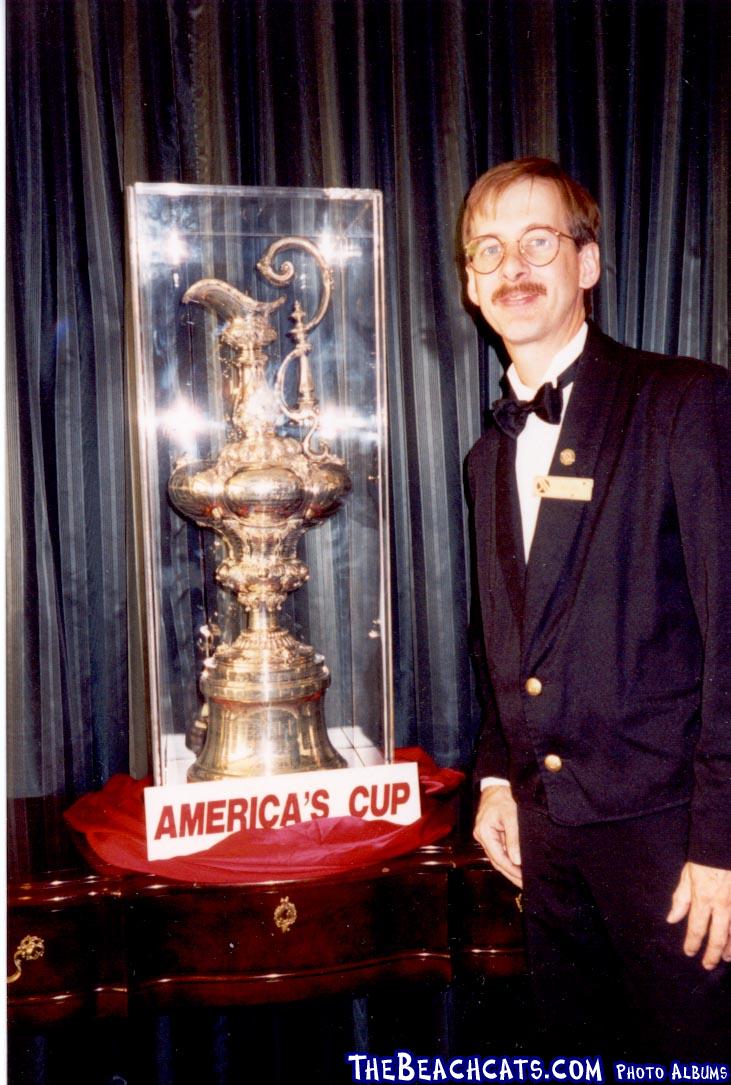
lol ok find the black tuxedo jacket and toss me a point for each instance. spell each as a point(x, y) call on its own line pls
point(623, 613)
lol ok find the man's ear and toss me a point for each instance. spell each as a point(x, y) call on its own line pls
point(590, 265)
point(472, 286)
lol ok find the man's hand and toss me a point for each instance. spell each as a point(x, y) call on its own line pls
point(496, 828)
point(704, 895)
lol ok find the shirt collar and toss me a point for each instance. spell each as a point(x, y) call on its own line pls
point(559, 362)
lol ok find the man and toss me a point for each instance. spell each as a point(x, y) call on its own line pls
point(600, 501)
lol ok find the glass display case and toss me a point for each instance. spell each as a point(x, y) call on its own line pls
point(259, 421)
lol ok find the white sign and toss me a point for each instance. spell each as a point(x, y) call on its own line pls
point(186, 818)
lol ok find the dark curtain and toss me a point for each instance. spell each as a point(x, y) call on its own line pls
point(414, 97)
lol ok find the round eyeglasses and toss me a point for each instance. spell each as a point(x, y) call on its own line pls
point(539, 246)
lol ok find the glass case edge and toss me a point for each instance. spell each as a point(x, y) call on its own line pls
point(384, 487)
point(139, 405)
point(173, 188)
point(137, 433)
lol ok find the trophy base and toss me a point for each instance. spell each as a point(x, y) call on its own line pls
point(264, 724)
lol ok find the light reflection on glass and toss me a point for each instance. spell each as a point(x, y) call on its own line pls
point(337, 249)
point(175, 247)
point(346, 421)
point(162, 245)
point(182, 423)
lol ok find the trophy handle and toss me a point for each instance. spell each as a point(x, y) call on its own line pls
point(285, 275)
point(305, 412)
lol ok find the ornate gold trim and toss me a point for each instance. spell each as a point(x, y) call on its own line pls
point(30, 949)
point(285, 915)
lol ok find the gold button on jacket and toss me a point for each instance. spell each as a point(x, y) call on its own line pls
point(553, 762)
point(534, 686)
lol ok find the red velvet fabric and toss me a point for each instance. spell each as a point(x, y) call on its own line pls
point(112, 823)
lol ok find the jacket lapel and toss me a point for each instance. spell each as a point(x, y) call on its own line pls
point(591, 426)
point(508, 529)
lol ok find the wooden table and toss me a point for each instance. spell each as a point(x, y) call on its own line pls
point(107, 944)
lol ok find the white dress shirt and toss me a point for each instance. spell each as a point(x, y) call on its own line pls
point(535, 449)
point(536, 445)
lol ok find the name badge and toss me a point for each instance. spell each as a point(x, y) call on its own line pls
point(563, 488)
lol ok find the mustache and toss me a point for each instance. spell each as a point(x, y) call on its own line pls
point(508, 291)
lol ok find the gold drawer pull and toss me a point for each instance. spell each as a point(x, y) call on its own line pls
point(30, 949)
point(285, 914)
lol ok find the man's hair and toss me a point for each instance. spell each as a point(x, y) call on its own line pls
point(581, 209)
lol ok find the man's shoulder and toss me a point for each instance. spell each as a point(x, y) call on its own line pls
point(477, 462)
point(484, 447)
point(651, 367)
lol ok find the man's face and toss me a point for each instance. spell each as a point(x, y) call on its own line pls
point(536, 309)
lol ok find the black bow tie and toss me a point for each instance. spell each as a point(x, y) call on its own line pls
point(511, 414)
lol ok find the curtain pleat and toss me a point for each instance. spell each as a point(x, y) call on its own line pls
point(414, 97)
point(67, 687)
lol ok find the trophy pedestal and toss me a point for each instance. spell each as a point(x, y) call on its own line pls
point(265, 699)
